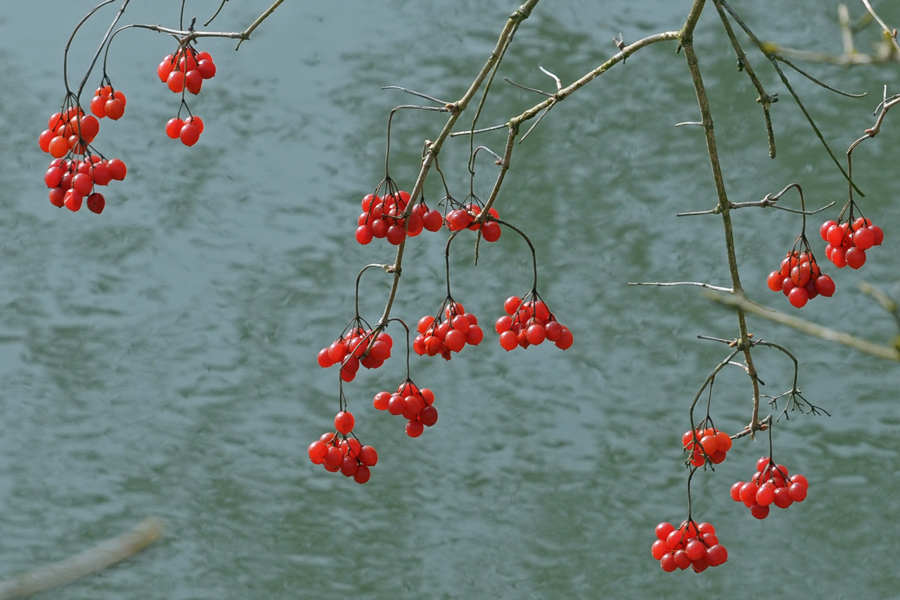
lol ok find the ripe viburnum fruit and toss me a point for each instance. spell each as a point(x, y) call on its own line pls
point(706, 443)
point(448, 332)
point(413, 403)
point(690, 545)
point(354, 348)
point(800, 278)
point(848, 242)
point(386, 217)
point(529, 322)
point(337, 452)
point(771, 484)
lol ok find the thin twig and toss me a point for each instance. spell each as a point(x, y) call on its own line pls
point(708, 286)
point(773, 57)
point(764, 99)
point(890, 34)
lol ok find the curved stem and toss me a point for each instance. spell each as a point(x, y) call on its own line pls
point(527, 240)
point(97, 54)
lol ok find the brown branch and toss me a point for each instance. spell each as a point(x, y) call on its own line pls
point(190, 34)
point(804, 326)
point(90, 561)
point(744, 343)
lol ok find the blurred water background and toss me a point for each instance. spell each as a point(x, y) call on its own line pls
point(160, 359)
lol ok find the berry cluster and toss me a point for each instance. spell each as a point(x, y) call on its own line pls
point(382, 217)
point(68, 132)
point(414, 403)
point(800, 279)
point(528, 322)
point(462, 218)
point(355, 347)
point(337, 452)
point(706, 443)
point(848, 242)
point(108, 103)
point(187, 130)
point(450, 331)
point(74, 172)
point(186, 70)
point(769, 485)
point(691, 545)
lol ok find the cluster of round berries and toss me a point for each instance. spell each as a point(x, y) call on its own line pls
point(769, 485)
point(528, 322)
point(341, 453)
point(108, 103)
point(415, 404)
point(383, 218)
point(847, 243)
point(68, 132)
point(71, 181)
point(691, 545)
point(450, 331)
point(462, 218)
point(187, 130)
point(357, 346)
point(186, 70)
point(706, 443)
point(800, 279)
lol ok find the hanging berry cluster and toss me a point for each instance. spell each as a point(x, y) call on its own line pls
point(800, 279)
point(690, 545)
point(75, 170)
point(383, 217)
point(465, 218)
point(704, 444)
point(108, 103)
point(529, 322)
point(354, 348)
point(415, 404)
point(771, 484)
point(185, 70)
point(848, 241)
point(341, 452)
point(447, 332)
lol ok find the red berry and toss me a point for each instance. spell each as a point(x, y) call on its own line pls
point(667, 562)
point(317, 452)
point(117, 169)
point(96, 203)
point(825, 285)
point(491, 231)
point(414, 428)
point(175, 81)
point(565, 340)
point(798, 297)
point(362, 474)
point(797, 492)
point(428, 416)
point(856, 257)
point(207, 68)
point(344, 422)
point(189, 134)
point(173, 128)
point(663, 530)
point(115, 108)
point(864, 238)
point(775, 280)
